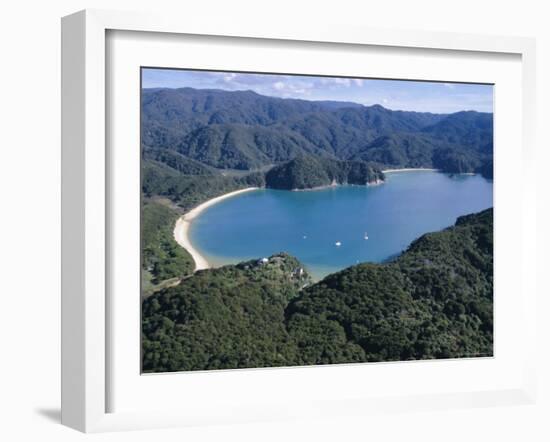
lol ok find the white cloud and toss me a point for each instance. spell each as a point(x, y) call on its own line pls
point(290, 87)
point(229, 77)
point(343, 81)
point(449, 85)
point(337, 82)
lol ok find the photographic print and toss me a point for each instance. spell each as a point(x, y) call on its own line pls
point(298, 220)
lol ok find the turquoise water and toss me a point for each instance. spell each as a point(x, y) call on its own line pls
point(308, 224)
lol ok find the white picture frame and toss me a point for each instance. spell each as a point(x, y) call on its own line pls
point(85, 210)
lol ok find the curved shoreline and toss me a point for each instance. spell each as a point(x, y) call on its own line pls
point(183, 224)
point(377, 182)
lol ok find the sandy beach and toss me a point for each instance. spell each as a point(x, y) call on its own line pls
point(412, 169)
point(181, 229)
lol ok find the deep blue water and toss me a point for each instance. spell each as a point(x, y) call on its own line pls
point(308, 224)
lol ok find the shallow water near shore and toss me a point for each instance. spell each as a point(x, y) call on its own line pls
point(308, 225)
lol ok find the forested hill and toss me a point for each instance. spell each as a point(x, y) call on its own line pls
point(434, 301)
point(244, 130)
point(229, 317)
point(307, 172)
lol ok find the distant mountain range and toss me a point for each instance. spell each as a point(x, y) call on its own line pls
point(246, 131)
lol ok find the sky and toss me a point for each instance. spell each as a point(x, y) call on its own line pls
point(421, 96)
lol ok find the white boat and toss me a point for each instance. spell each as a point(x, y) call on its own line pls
point(337, 243)
point(366, 236)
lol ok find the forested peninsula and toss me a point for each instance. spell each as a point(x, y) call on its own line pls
point(309, 172)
